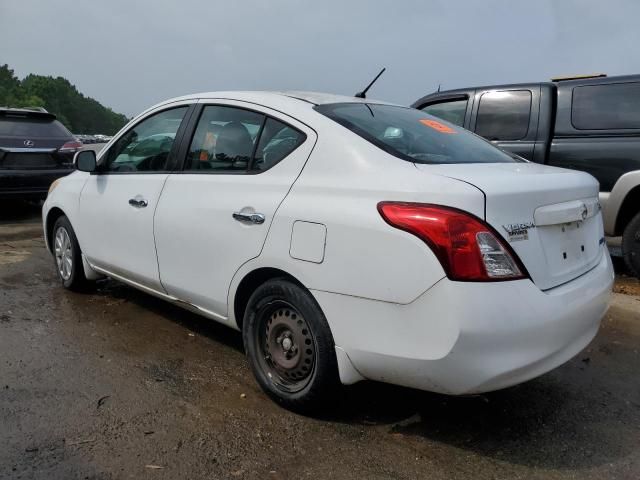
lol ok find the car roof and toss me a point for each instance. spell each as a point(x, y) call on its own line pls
point(296, 104)
point(312, 98)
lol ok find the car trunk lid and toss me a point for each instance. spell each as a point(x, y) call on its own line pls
point(549, 216)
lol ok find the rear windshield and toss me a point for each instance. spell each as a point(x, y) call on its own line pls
point(32, 127)
point(413, 135)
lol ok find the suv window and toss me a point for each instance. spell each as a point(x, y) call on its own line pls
point(452, 111)
point(146, 147)
point(224, 139)
point(504, 115)
point(32, 127)
point(276, 142)
point(606, 107)
point(413, 135)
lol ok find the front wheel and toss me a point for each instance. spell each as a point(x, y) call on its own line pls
point(631, 245)
point(290, 346)
point(67, 256)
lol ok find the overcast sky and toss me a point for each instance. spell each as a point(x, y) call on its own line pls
point(130, 54)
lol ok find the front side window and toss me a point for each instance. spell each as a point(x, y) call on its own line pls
point(453, 111)
point(606, 107)
point(413, 135)
point(146, 147)
point(504, 115)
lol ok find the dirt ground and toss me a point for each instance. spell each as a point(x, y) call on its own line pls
point(117, 384)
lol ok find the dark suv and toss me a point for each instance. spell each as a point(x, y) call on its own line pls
point(35, 149)
point(589, 123)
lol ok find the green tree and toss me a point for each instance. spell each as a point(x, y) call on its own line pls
point(78, 113)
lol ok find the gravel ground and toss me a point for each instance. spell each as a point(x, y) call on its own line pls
point(118, 384)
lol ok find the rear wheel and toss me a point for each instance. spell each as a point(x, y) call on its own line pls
point(290, 347)
point(67, 256)
point(631, 245)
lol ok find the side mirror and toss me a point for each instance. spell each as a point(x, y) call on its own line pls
point(85, 161)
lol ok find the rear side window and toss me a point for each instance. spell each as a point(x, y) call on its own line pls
point(606, 107)
point(413, 135)
point(224, 139)
point(32, 127)
point(230, 139)
point(276, 142)
point(504, 115)
point(453, 111)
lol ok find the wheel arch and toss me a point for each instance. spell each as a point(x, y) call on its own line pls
point(628, 209)
point(52, 216)
point(250, 282)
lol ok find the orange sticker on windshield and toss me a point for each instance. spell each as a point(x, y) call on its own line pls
point(441, 127)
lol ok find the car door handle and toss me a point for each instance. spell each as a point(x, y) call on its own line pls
point(249, 217)
point(138, 202)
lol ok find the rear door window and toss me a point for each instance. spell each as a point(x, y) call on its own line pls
point(224, 140)
point(504, 115)
point(237, 140)
point(606, 107)
point(452, 111)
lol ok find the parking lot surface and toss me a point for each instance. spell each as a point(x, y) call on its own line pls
point(118, 384)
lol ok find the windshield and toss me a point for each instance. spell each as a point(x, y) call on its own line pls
point(413, 135)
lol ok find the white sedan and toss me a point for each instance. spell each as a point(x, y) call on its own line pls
point(347, 239)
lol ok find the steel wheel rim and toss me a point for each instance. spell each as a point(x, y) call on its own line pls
point(63, 253)
point(286, 347)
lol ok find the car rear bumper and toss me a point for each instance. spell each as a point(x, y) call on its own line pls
point(462, 338)
point(28, 184)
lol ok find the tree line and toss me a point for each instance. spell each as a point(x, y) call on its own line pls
point(78, 113)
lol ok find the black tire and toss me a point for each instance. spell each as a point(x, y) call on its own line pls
point(76, 279)
point(279, 307)
point(631, 245)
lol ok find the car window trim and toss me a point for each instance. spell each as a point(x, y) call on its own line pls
point(172, 162)
point(257, 144)
point(193, 125)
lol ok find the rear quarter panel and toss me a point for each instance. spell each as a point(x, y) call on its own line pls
point(340, 187)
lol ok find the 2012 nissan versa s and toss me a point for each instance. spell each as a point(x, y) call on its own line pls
point(346, 238)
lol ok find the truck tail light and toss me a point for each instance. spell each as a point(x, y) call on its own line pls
point(468, 249)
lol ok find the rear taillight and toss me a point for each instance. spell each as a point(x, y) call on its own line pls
point(70, 147)
point(468, 248)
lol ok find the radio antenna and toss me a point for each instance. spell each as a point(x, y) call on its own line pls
point(363, 93)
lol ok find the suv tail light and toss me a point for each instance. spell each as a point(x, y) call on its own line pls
point(468, 248)
point(70, 147)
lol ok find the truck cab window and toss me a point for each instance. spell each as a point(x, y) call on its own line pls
point(452, 111)
point(504, 115)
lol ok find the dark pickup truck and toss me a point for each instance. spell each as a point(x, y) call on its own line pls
point(589, 123)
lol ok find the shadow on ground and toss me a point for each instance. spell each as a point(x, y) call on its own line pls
point(18, 211)
point(561, 420)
